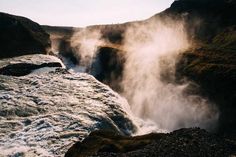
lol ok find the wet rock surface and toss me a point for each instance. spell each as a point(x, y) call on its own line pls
point(192, 142)
point(44, 112)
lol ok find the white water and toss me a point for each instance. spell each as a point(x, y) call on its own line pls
point(45, 112)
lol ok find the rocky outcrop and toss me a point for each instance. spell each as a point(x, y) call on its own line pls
point(21, 36)
point(184, 142)
point(61, 43)
point(204, 18)
point(42, 113)
point(215, 71)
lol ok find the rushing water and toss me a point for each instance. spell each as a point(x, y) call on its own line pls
point(45, 112)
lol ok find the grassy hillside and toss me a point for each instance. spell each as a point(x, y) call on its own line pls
point(212, 62)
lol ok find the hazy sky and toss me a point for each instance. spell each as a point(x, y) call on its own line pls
point(84, 12)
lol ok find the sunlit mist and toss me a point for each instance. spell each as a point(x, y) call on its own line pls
point(149, 77)
point(148, 82)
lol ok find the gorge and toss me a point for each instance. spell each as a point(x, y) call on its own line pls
point(174, 71)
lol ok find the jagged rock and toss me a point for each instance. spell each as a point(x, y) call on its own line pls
point(60, 38)
point(45, 111)
point(21, 36)
point(184, 142)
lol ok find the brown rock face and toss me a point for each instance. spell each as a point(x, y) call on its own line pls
point(21, 36)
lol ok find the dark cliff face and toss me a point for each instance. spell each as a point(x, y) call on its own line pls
point(205, 19)
point(212, 61)
point(21, 36)
point(107, 67)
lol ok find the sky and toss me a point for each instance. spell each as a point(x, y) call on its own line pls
point(80, 13)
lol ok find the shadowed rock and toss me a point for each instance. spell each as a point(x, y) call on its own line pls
point(108, 67)
point(21, 69)
point(24, 65)
point(21, 36)
point(110, 142)
point(184, 142)
point(211, 63)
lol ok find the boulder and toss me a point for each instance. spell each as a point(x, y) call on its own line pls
point(21, 36)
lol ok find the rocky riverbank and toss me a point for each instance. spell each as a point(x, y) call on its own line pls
point(192, 142)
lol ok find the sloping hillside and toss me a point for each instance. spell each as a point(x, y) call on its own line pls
point(212, 60)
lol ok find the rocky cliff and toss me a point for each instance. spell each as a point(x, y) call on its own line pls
point(212, 60)
point(20, 36)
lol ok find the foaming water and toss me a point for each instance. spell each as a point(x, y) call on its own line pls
point(45, 112)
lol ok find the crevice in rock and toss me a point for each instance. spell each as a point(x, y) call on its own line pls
point(22, 69)
point(107, 67)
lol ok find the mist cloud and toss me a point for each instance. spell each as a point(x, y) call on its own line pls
point(85, 43)
point(149, 84)
point(153, 50)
